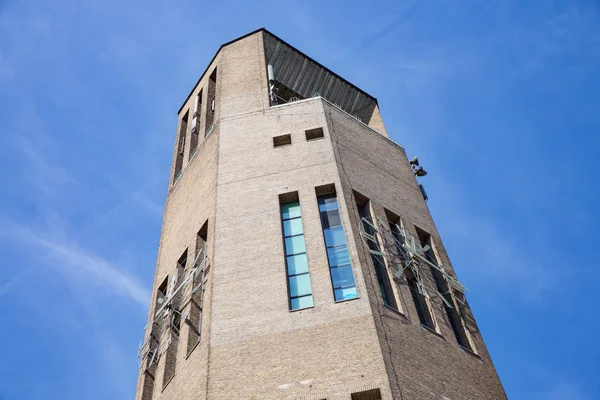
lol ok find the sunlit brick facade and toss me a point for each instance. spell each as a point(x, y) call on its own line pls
point(295, 303)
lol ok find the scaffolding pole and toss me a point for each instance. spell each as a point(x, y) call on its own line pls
point(164, 325)
point(406, 253)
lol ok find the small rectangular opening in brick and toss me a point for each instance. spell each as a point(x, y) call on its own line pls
point(312, 134)
point(373, 394)
point(325, 189)
point(282, 140)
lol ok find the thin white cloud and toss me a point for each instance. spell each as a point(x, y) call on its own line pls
point(6, 286)
point(82, 265)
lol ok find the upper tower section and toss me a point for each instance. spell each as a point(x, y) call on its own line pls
point(243, 79)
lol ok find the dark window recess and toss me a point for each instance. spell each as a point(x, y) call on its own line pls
point(442, 286)
point(180, 146)
point(383, 280)
point(154, 344)
point(396, 229)
point(211, 98)
point(420, 301)
point(313, 134)
point(282, 140)
point(372, 394)
point(194, 321)
point(148, 386)
point(174, 322)
point(196, 124)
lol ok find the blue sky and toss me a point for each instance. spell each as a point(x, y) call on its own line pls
point(499, 99)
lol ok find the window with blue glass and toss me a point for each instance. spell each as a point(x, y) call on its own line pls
point(342, 277)
point(300, 292)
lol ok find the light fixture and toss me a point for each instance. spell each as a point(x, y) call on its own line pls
point(419, 171)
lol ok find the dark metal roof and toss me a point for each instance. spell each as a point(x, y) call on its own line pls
point(302, 75)
point(309, 59)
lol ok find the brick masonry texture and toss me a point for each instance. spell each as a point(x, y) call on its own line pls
point(252, 346)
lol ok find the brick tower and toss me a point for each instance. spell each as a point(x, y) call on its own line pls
point(298, 258)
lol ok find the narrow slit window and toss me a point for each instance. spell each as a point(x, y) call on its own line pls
point(282, 140)
point(180, 146)
point(456, 321)
point(395, 225)
point(200, 267)
point(153, 345)
point(420, 301)
point(340, 266)
point(298, 277)
point(312, 134)
point(211, 96)
point(381, 272)
point(173, 323)
point(147, 386)
point(196, 124)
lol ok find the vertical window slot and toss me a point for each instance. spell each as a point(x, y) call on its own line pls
point(298, 277)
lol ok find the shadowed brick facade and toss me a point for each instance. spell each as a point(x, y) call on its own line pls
point(251, 345)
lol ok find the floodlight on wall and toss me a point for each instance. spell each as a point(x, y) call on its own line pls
point(417, 169)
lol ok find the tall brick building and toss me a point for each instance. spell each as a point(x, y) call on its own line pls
point(298, 258)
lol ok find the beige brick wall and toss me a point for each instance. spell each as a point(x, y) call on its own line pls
point(252, 346)
point(426, 365)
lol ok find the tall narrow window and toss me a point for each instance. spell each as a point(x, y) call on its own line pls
point(212, 102)
point(147, 386)
point(383, 279)
point(300, 292)
point(153, 345)
point(180, 146)
point(194, 320)
point(340, 267)
point(423, 310)
point(442, 286)
point(395, 225)
point(416, 290)
point(174, 322)
point(196, 124)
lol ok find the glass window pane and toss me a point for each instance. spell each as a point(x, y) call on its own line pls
point(297, 264)
point(295, 245)
point(342, 276)
point(338, 256)
point(331, 218)
point(346, 294)
point(302, 302)
point(299, 285)
point(328, 203)
point(334, 236)
point(292, 227)
point(290, 210)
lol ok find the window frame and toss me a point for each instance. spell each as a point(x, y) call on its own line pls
point(286, 200)
point(384, 282)
point(456, 321)
point(326, 226)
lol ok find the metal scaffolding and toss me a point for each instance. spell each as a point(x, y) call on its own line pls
point(402, 252)
point(184, 284)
